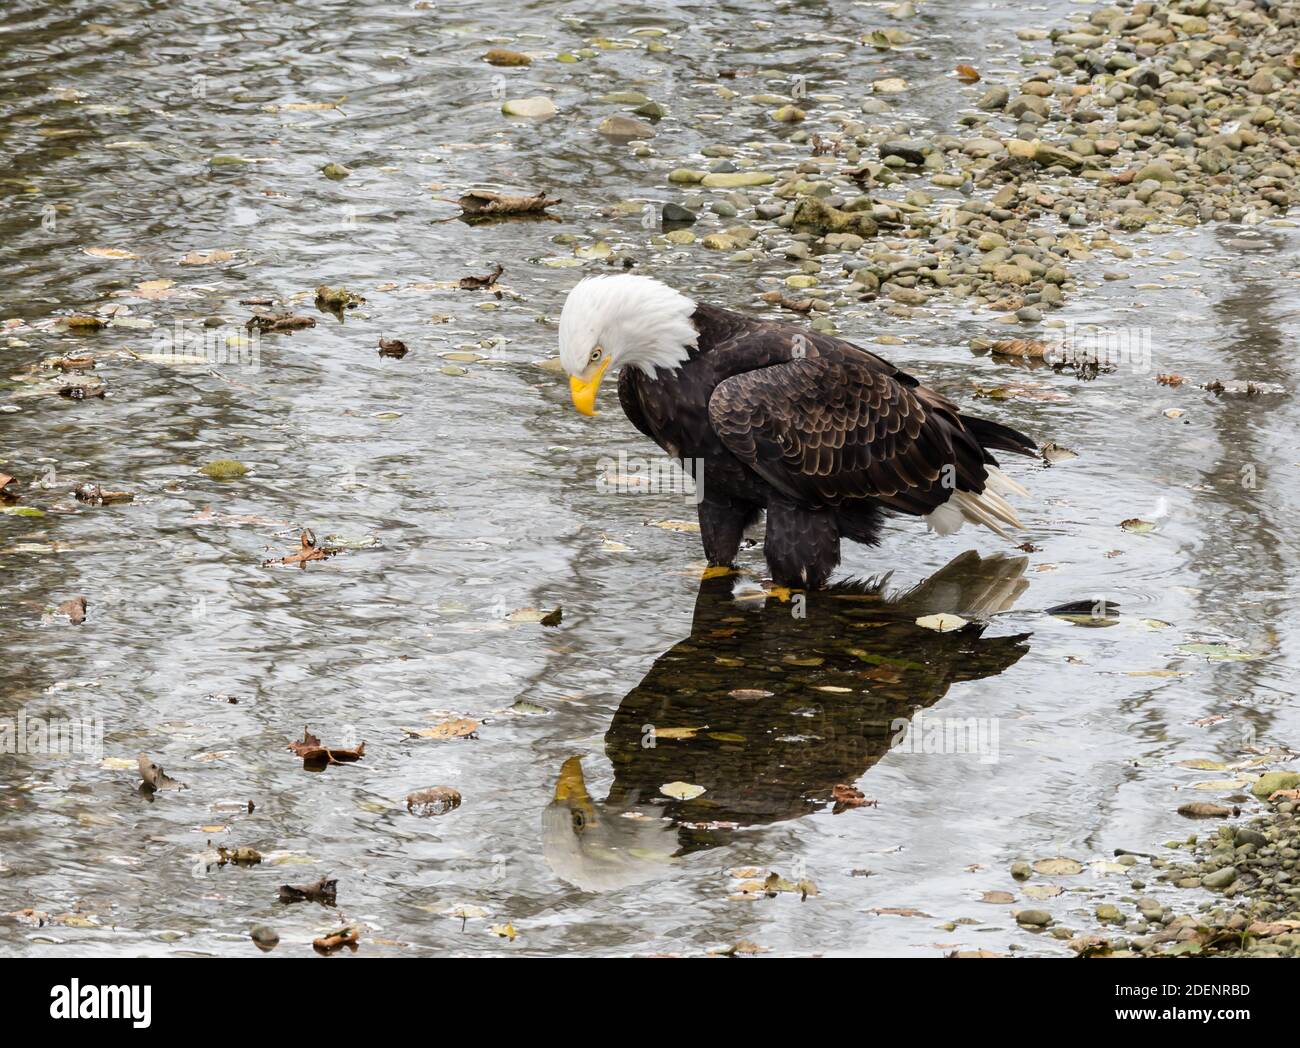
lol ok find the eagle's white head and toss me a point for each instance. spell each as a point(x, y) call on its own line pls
point(617, 320)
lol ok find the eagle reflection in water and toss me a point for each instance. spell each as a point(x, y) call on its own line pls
point(769, 711)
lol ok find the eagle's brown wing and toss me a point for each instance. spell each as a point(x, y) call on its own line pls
point(826, 429)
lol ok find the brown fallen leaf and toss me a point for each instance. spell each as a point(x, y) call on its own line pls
point(154, 777)
point(482, 283)
point(967, 74)
point(83, 363)
point(846, 797)
point(744, 948)
point(1039, 393)
point(392, 347)
point(5, 481)
point(206, 258)
point(898, 911)
point(456, 728)
point(75, 609)
point(35, 917)
point(94, 495)
point(1171, 378)
point(152, 290)
point(1284, 795)
point(552, 618)
point(337, 939)
point(323, 892)
point(309, 550)
point(280, 322)
point(482, 202)
point(312, 752)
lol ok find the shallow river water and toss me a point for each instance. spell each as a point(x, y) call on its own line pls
point(465, 489)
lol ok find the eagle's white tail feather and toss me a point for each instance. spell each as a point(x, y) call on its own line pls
point(988, 508)
point(1001, 483)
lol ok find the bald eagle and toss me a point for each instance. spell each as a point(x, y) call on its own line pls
point(821, 434)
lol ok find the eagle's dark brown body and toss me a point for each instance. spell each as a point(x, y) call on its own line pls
point(820, 433)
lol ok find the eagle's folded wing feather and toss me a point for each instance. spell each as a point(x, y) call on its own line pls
point(825, 430)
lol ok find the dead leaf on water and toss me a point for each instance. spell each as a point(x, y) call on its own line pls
point(483, 283)
point(108, 252)
point(744, 948)
point(484, 203)
point(154, 777)
point(456, 728)
point(337, 939)
point(280, 323)
point(312, 752)
point(846, 797)
point(75, 609)
point(941, 623)
point(1053, 453)
point(152, 290)
point(206, 258)
point(308, 550)
point(323, 891)
point(682, 791)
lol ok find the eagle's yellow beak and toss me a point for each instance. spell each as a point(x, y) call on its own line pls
point(584, 390)
point(571, 791)
point(572, 787)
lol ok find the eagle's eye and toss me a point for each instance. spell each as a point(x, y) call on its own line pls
point(595, 354)
point(578, 821)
